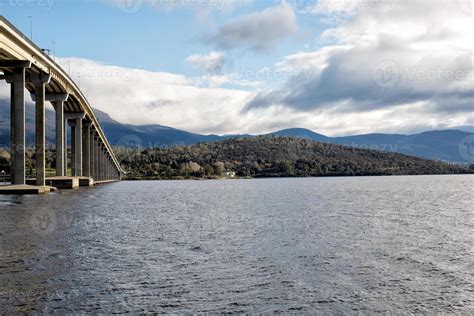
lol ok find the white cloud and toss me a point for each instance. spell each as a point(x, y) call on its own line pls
point(398, 68)
point(142, 97)
point(258, 31)
point(409, 54)
point(210, 63)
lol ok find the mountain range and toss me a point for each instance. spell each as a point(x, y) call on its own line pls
point(441, 145)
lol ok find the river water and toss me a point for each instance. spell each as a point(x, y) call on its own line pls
point(335, 245)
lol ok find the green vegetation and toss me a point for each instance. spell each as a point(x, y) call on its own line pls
point(269, 156)
point(264, 156)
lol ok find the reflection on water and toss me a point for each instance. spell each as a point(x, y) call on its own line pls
point(399, 244)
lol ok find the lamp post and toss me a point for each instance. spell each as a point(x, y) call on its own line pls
point(31, 27)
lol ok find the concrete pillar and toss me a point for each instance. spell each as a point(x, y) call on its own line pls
point(57, 100)
point(40, 123)
point(60, 138)
point(104, 170)
point(99, 161)
point(107, 161)
point(12, 127)
point(78, 144)
point(96, 158)
point(86, 146)
point(65, 146)
point(91, 153)
point(73, 148)
point(18, 126)
point(75, 120)
point(104, 177)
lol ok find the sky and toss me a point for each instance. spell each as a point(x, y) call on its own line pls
point(337, 67)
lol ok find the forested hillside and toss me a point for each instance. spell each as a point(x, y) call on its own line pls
point(269, 156)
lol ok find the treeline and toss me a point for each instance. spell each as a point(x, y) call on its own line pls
point(269, 156)
point(264, 156)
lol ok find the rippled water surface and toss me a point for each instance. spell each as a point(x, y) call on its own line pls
point(345, 245)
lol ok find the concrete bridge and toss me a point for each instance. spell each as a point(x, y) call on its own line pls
point(26, 66)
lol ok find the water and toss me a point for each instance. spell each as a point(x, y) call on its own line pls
point(335, 245)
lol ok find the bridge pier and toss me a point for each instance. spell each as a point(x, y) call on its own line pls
point(96, 157)
point(40, 135)
point(86, 172)
point(75, 121)
point(57, 100)
point(102, 164)
point(91, 152)
point(18, 81)
point(60, 138)
point(73, 147)
point(40, 80)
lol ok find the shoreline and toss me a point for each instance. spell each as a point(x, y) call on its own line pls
point(292, 177)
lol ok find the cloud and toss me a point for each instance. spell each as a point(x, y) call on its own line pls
point(210, 63)
point(137, 96)
point(135, 6)
point(383, 57)
point(400, 67)
point(259, 31)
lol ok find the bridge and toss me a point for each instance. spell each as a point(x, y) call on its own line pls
point(26, 66)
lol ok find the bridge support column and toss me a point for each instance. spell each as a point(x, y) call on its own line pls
point(78, 149)
point(17, 81)
point(18, 126)
point(91, 153)
point(65, 146)
point(76, 142)
point(60, 138)
point(73, 148)
point(101, 162)
point(108, 168)
point(106, 165)
point(57, 100)
point(40, 122)
point(86, 145)
point(102, 158)
point(40, 80)
point(96, 158)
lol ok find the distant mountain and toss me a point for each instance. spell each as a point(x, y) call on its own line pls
point(29, 124)
point(441, 145)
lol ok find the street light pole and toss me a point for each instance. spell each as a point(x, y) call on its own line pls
point(31, 27)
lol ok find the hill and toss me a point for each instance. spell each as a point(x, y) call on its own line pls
point(270, 156)
point(440, 145)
